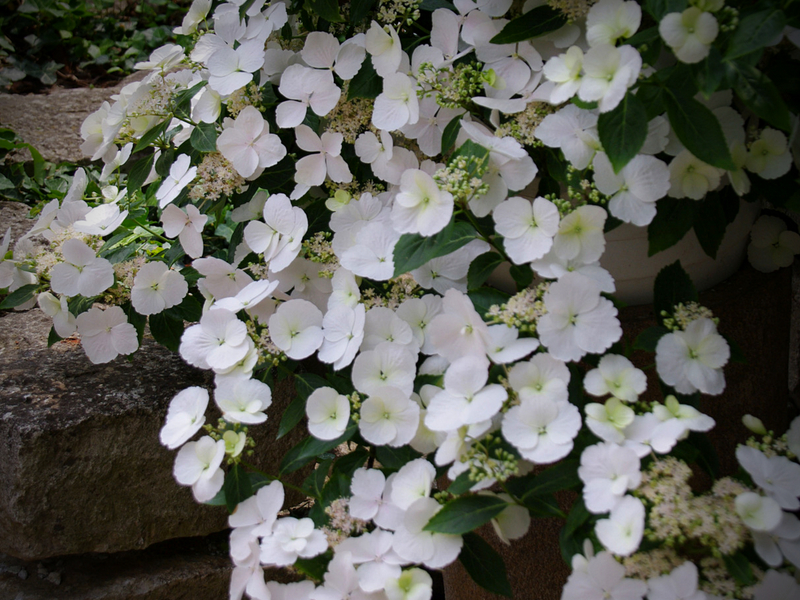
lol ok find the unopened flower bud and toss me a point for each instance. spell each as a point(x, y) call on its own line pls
point(754, 424)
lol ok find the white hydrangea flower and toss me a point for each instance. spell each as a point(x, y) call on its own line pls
point(389, 417)
point(328, 413)
point(692, 360)
point(296, 328)
point(243, 400)
point(82, 272)
point(527, 228)
point(64, 322)
point(421, 207)
point(777, 475)
point(635, 189)
point(608, 471)
point(690, 177)
point(611, 20)
point(185, 416)
point(621, 533)
point(689, 33)
point(541, 429)
point(292, 539)
point(608, 73)
point(197, 464)
point(617, 376)
point(156, 287)
point(769, 155)
point(105, 334)
point(249, 145)
point(680, 584)
point(759, 513)
point(772, 245)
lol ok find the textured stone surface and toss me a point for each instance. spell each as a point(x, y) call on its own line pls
point(196, 569)
point(80, 461)
point(51, 123)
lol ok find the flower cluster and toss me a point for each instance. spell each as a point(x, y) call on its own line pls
point(343, 186)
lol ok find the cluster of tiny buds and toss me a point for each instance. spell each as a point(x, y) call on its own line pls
point(580, 190)
point(268, 352)
point(684, 314)
point(453, 87)
point(249, 95)
point(237, 442)
point(564, 207)
point(728, 19)
point(522, 126)
point(355, 406)
point(489, 460)
point(522, 310)
point(399, 12)
point(462, 178)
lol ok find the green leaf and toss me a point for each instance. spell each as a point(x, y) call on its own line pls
point(461, 484)
point(150, 136)
point(480, 268)
point(465, 514)
point(739, 568)
point(672, 286)
point(141, 169)
point(623, 131)
point(314, 568)
point(533, 23)
point(698, 129)
point(189, 310)
point(648, 43)
point(413, 250)
point(522, 275)
point(562, 476)
point(755, 31)
point(204, 137)
point(659, 8)
point(395, 458)
point(484, 298)
point(451, 133)
point(166, 331)
point(484, 565)
point(366, 83)
point(182, 103)
point(19, 296)
point(761, 96)
point(327, 9)
point(310, 448)
point(237, 487)
point(542, 506)
point(570, 543)
point(305, 384)
point(709, 73)
point(652, 97)
point(648, 339)
point(673, 220)
point(359, 9)
point(53, 337)
point(315, 482)
point(710, 221)
point(432, 5)
point(350, 462)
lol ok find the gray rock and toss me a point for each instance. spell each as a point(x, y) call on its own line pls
point(80, 461)
point(51, 123)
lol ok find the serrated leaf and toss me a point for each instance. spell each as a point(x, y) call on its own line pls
point(366, 83)
point(53, 337)
point(761, 96)
point(484, 565)
point(709, 73)
point(465, 514)
point(315, 482)
point(359, 9)
point(480, 268)
point(755, 31)
point(710, 222)
point(461, 484)
point(484, 298)
point(413, 250)
point(204, 137)
point(674, 218)
point(522, 275)
point(237, 487)
point(395, 458)
point(672, 286)
point(19, 296)
point(350, 462)
point(150, 136)
point(182, 104)
point(648, 339)
point(166, 331)
point(698, 129)
point(139, 173)
point(314, 568)
point(533, 23)
point(562, 476)
point(327, 9)
point(659, 8)
point(189, 310)
point(450, 134)
point(542, 506)
point(623, 131)
point(652, 97)
point(310, 448)
point(739, 568)
point(305, 384)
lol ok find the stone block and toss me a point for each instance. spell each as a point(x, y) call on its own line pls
point(196, 569)
point(80, 461)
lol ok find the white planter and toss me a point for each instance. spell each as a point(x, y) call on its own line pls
point(634, 272)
